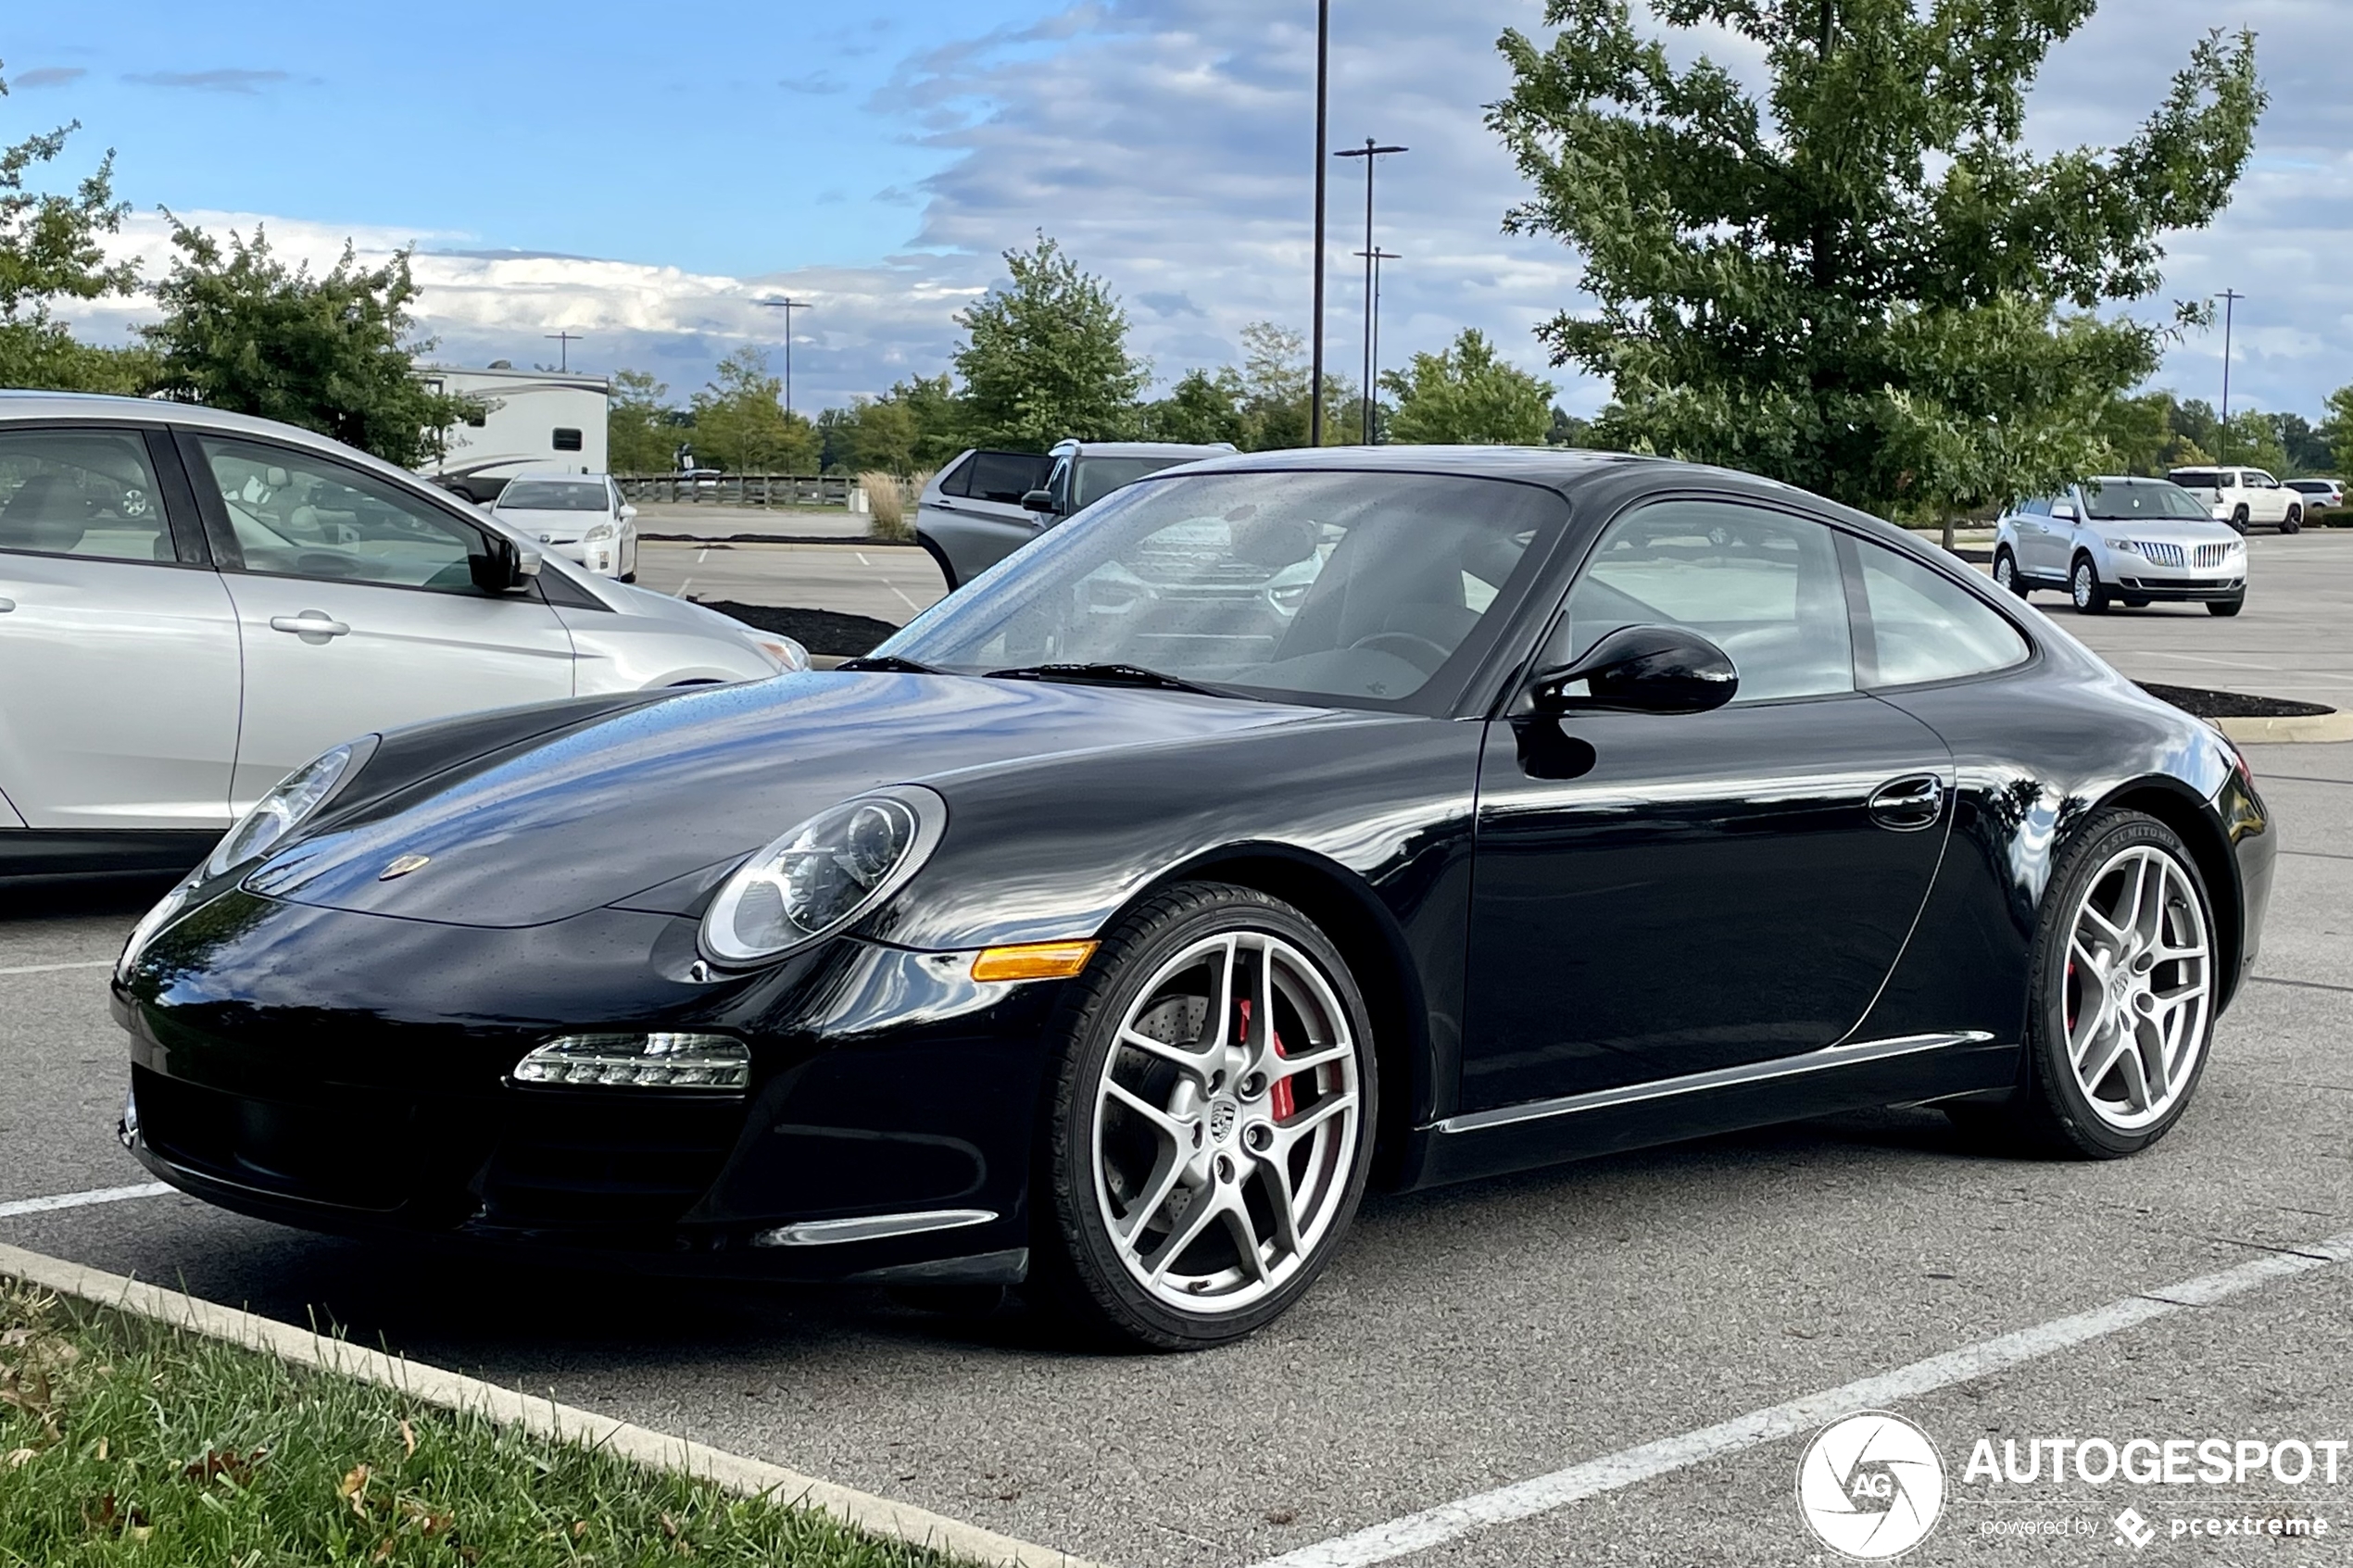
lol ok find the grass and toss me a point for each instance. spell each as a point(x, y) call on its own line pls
point(125, 1441)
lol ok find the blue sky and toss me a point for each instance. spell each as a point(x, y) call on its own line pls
point(643, 176)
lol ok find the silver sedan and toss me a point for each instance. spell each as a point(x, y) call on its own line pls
point(2121, 540)
point(194, 604)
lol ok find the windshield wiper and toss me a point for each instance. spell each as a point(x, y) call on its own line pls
point(888, 663)
point(1105, 675)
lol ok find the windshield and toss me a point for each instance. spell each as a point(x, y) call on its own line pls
point(552, 496)
point(1098, 477)
point(2113, 500)
point(1364, 588)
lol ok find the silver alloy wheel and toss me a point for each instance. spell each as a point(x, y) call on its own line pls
point(2005, 570)
point(2139, 985)
point(2082, 586)
point(1227, 1120)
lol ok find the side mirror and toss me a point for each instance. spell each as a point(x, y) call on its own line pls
point(504, 566)
point(627, 511)
point(1039, 501)
point(1640, 670)
point(2063, 511)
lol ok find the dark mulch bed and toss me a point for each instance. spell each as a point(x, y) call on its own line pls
point(819, 631)
point(2231, 705)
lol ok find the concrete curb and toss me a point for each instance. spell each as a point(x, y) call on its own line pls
point(546, 1418)
point(2323, 727)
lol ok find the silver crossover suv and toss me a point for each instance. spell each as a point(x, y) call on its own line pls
point(2134, 540)
point(195, 604)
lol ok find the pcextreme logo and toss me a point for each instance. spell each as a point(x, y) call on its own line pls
point(1871, 1486)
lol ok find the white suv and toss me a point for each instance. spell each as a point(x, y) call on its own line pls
point(2134, 540)
point(2243, 497)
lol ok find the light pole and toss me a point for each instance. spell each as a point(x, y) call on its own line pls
point(788, 305)
point(1372, 350)
point(1371, 153)
point(1315, 354)
point(2222, 433)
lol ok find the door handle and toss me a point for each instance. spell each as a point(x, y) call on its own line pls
point(1908, 803)
point(309, 623)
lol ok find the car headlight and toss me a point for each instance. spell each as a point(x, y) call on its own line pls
point(823, 875)
point(2131, 545)
point(298, 795)
point(789, 654)
point(596, 532)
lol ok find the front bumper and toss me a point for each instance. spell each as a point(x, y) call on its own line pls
point(348, 1072)
point(603, 558)
point(2142, 581)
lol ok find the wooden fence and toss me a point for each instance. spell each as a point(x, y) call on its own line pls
point(738, 489)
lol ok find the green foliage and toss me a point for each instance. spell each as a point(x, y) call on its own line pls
point(125, 1442)
point(1048, 356)
point(1467, 397)
point(243, 332)
point(1567, 429)
point(740, 423)
point(1865, 283)
point(1204, 406)
point(642, 431)
point(52, 247)
point(2336, 428)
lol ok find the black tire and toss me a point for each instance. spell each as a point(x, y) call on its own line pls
point(2294, 521)
point(2136, 601)
point(2050, 1113)
point(2085, 589)
point(2238, 519)
point(2006, 574)
point(1077, 1272)
point(2226, 607)
point(629, 577)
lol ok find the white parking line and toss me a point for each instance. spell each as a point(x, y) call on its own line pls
point(53, 967)
point(1419, 1531)
point(81, 1200)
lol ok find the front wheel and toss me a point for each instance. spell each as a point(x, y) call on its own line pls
point(2123, 990)
point(2294, 521)
point(2238, 519)
point(2084, 585)
point(1211, 1123)
point(2226, 607)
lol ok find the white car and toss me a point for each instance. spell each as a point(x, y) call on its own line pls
point(2243, 497)
point(2115, 539)
point(194, 604)
point(578, 516)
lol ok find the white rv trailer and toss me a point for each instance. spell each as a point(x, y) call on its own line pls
point(538, 420)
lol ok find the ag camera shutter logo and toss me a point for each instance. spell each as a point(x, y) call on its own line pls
point(1871, 1486)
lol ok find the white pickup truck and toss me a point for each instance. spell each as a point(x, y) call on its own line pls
point(2243, 497)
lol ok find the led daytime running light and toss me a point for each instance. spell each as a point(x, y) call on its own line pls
point(639, 1062)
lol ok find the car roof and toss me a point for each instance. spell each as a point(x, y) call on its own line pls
point(555, 473)
point(1187, 449)
point(87, 407)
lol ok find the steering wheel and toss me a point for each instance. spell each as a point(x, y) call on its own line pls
point(1414, 650)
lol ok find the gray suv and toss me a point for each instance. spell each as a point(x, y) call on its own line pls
point(985, 505)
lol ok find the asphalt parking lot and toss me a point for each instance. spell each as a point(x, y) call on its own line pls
point(1471, 1338)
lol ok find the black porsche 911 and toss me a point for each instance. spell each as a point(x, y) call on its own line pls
point(1289, 823)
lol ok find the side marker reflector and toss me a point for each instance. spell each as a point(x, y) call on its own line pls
point(1033, 960)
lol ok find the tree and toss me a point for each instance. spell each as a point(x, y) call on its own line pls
point(2252, 438)
point(2337, 428)
point(52, 248)
point(1048, 356)
point(1864, 284)
point(243, 332)
point(1274, 381)
point(642, 430)
point(1467, 396)
point(740, 421)
point(1204, 407)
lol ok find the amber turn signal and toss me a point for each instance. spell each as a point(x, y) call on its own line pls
point(1033, 960)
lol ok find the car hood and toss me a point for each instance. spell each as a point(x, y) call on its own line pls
point(552, 528)
point(681, 786)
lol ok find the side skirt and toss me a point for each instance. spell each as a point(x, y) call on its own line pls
point(80, 852)
point(1909, 1069)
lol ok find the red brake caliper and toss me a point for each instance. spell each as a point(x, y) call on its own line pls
point(1280, 1103)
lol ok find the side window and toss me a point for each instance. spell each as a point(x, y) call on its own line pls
point(567, 440)
point(1762, 585)
point(296, 515)
point(1922, 626)
point(2039, 505)
point(81, 493)
point(1006, 477)
point(959, 481)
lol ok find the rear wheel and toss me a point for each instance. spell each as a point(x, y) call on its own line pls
point(1211, 1123)
point(2294, 521)
point(2006, 574)
point(2226, 607)
point(2084, 585)
point(2120, 1013)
